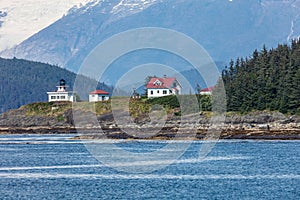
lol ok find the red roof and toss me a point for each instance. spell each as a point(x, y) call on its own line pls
point(161, 83)
point(99, 92)
point(207, 89)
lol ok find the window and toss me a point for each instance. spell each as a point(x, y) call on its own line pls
point(53, 97)
point(57, 97)
point(63, 97)
point(151, 92)
point(164, 91)
point(157, 83)
point(157, 91)
point(170, 91)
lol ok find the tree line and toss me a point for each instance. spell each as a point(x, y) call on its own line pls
point(268, 80)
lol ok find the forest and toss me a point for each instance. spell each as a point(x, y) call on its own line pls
point(268, 80)
point(23, 82)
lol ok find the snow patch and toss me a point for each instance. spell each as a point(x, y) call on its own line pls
point(128, 7)
point(134, 5)
point(25, 18)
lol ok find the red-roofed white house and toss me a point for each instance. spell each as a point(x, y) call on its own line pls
point(158, 87)
point(98, 95)
point(206, 91)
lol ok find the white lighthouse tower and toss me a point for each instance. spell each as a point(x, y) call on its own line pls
point(61, 93)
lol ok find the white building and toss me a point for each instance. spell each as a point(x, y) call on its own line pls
point(158, 87)
point(206, 91)
point(98, 95)
point(61, 93)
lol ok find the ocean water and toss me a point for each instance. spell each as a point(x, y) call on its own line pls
point(55, 167)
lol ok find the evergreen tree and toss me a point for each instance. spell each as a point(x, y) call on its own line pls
point(270, 80)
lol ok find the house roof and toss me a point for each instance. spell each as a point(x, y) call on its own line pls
point(99, 92)
point(160, 83)
point(209, 89)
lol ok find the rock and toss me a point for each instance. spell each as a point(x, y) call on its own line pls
point(255, 125)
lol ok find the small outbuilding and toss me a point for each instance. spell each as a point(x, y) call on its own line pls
point(206, 91)
point(98, 95)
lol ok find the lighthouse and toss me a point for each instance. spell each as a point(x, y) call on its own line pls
point(61, 93)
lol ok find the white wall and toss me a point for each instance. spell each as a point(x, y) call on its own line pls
point(98, 97)
point(206, 93)
point(60, 96)
point(178, 87)
point(158, 92)
point(93, 97)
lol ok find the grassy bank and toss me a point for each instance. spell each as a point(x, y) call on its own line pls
point(136, 107)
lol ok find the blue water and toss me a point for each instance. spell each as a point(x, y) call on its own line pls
point(55, 167)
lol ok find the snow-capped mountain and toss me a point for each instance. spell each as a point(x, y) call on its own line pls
point(225, 28)
point(94, 15)
point(20, 19)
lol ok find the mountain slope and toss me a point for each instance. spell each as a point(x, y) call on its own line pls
point(22, 19)
point(226, 29)
point(23, 82)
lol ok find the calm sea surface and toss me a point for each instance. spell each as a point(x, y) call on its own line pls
point(55, 167)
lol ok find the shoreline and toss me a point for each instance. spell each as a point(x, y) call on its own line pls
point(197, 126)
point(164, 134)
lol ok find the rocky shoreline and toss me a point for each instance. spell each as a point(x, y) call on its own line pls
point(255, 125)
point(165, 134)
